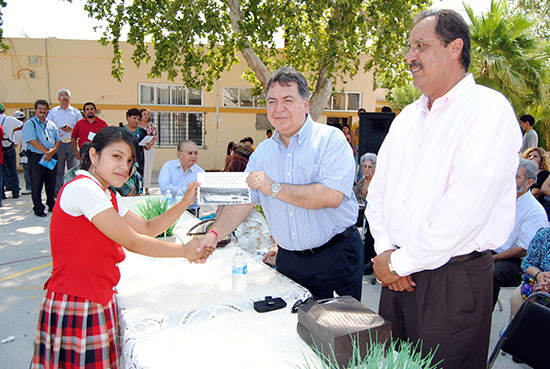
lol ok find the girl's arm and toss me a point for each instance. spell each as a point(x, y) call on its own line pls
point(113, 226)
point(160, 223)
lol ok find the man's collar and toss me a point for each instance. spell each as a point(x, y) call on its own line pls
point(301, 134)
point(178, 165)
point(462, 87)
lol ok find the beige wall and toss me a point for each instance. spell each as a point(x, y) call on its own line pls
point(84, 67)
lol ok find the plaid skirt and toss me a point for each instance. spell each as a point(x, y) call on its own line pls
point(74, 332)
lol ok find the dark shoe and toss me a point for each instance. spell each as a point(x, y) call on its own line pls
point(16, 196)
point(516, 360)
point(41, 215)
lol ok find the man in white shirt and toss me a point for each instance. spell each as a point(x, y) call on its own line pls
point(530, 137)
point(175, 175)
point(530, 217)
point(442, 195)
point(9, 169)
point(65, 117)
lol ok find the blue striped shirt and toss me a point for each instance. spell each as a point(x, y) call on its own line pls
point(46, 133)
point(318, 153)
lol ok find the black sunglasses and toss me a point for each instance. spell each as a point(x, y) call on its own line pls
point(299, 303)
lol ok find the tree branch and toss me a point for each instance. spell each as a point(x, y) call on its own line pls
point(249, 54)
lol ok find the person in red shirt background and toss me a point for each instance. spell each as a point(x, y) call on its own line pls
point(86, 128)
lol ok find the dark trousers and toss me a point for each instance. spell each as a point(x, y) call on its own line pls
point(65, 154)
point(338, 267)
point(41, 177)
point(9, 172)
point(507, 274)
point(450, 307)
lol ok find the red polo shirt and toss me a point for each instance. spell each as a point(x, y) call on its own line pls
point(83, 128)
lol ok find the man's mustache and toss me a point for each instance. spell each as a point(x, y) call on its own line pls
point(416, 64)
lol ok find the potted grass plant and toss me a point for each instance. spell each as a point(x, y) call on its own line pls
point(153, 207)
point(394, 355)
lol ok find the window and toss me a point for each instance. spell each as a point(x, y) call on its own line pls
point(173, 127)
point(344, 101)
point(242, 97)
point(162, 94)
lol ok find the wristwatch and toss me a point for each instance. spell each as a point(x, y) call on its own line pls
point(275, 189)
point(392, 269)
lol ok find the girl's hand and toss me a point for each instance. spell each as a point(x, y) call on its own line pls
point(191, 193)
point(195, 256)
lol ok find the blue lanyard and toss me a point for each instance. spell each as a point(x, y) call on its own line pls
point(45, 128)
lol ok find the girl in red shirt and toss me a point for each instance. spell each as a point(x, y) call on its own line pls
point(78, 321)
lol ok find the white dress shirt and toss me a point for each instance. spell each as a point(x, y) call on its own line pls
point(62, 117)
point(445, 179)
point(530, 217)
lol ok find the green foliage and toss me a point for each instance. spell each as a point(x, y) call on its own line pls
point(196, 41)
point(3, 46)
point(153, 207)
point(403, 96)
point(404, 355)
point(508, 57)
point(538, 11)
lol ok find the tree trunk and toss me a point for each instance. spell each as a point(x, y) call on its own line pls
point(323, 86)
point(321, 95)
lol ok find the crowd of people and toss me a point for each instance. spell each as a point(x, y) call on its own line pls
point(442, 210)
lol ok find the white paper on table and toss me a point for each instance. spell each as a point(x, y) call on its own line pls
point(223, 188)
point(146, 140)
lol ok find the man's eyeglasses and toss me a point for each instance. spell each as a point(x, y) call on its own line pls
point(417, 47)
point(299, 303)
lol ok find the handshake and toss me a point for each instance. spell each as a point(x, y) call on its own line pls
point(200, 248)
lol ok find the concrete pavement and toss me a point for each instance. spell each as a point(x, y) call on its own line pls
point(25, 264)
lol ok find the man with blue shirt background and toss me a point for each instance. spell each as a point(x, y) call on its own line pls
point(303, 179)
point(43, 141)
point(175, 175)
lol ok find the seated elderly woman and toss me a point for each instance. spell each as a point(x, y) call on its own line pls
point(536, 268)
point(368, 166)
point(540, 156)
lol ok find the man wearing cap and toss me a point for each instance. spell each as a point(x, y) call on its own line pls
point(9, 169)
point(65, 117)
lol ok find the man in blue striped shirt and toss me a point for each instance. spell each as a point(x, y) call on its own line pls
point(303, 179)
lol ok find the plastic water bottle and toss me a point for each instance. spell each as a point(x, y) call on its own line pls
point(168, 198)
point(240, 269)
point(179, 195)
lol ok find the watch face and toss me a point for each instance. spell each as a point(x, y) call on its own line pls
point(275, 188)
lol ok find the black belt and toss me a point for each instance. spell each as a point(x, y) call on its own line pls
point(470, 256)
point(333, 240)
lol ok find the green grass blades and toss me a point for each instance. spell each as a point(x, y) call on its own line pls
point(151, 208)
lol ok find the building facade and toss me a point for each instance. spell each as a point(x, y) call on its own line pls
point(37, 68)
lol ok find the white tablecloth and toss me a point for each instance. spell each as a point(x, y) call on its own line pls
point(174, 314)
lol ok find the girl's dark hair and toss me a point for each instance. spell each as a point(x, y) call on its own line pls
point(106, 137)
